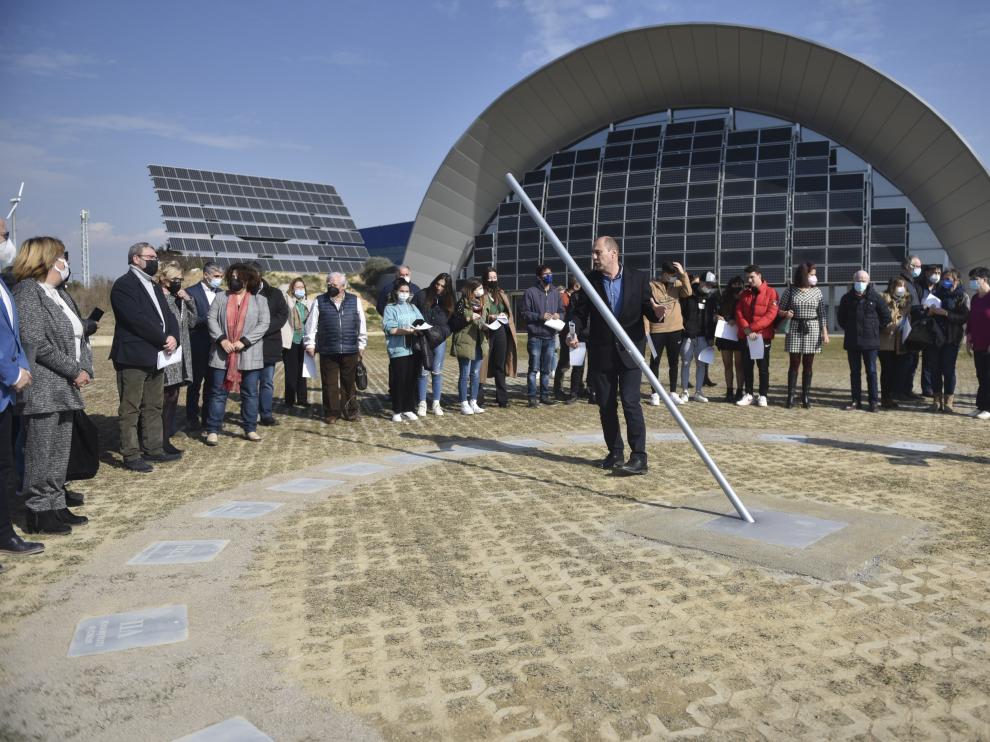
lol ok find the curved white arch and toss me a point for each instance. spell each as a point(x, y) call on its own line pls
point(699, 65)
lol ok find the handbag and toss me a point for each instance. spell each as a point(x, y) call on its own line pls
point(84, 452)
point(921, 335)
point(361, 376)
point(783, 324)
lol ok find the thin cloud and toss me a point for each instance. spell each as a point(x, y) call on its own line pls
point(853, 26)
point(55, 64)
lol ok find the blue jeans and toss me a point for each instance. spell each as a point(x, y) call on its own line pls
point(940, 363)
point(249, 400)
point(267, 395)
point(858, 358)
point(436, 372)
point(542, 354)
point(472, 370)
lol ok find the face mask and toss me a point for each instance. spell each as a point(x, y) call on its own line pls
point(670, 280)
point(479, 293)
point(7, 252)
point(812, 280)
point(299, 293)
point(934, 278)
point(974, 285)
point(63, 273)
point(547, 279)
point(900, 291)
point(333, 291)
point(403, 297)
point(947, 283)
point(215, 283)
point(236, 284)
point(174, 287)
point(492, 284)
point(916, 272)
point(151, 266)
point(860, 286)
point(704, 290)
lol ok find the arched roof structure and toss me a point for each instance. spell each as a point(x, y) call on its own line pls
point(699, 65)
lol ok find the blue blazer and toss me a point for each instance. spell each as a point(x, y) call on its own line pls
point(12, 356)
point(199, 335)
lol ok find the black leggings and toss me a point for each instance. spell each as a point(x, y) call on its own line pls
point(802, 359)
point(671, 342)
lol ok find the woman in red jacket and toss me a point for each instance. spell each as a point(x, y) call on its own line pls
point(756, 312)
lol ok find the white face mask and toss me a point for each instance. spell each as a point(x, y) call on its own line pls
point(479, 293)
point(812, 280)
point(215, 283)
point(403, 296)
point(7, 252)
point(900, 291)
point(300, 293)
point(63, 272)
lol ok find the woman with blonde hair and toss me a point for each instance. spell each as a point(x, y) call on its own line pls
point(293, 349)
point(55, 341)
point(894, 360)
point(179, 374)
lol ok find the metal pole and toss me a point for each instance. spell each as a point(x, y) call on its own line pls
point(620, 333)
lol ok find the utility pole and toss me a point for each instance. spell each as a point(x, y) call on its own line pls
point(84, 247)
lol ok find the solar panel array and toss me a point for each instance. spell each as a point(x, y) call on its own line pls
point(700, 194)
point(285, 225)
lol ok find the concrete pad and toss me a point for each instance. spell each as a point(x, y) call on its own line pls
point(680, 437)
point(464, 452)
point(915, 446)
point(524, 443)
point(783, 438)
point(359, 469)
point(180, 552)
point(119, 631)
point(587, 438)
point(241, 510)
point(410, 459)
point(304, 486)
point(837, 542)
point(234, 729)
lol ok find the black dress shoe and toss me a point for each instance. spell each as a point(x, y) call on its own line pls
point(571, 400)
point(635, 465)
point(610, 462)
point(16, 545)
point(548, 400)
point(169, 448)
point(67, 516)
point(74, 499)
point(268, 422)
point(139, 465)
point(503, 405)
point(162, 457)
point(193, 425)
point(533, 403)
point(873, 406)
point(46, 521)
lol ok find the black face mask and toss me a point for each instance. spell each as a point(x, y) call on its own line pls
point(236, 284)
point(151, 266)
point(333, 291)
point(492, 284)
point(175, 287)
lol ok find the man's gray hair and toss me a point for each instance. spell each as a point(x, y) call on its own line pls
point(136, 249)
point(332, 276)
point(211, 267)
point(865, 273)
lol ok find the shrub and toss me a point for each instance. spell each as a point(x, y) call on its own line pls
point(374, 268)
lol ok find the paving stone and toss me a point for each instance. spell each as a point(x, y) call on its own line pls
point(119, 631)
point(180, 552)
point(304, 486)
point(241, 510)
point(360, 469)
point(234, 729)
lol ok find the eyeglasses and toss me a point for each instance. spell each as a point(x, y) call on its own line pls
point(148, 257)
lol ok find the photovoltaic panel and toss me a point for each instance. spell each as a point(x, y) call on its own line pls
point(285, 225)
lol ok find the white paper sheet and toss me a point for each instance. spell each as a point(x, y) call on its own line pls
point(503, 318)
point(168, 359)
point(652, 347)
point(726, 330)
point(756, 347)
point(424, 326)
point(578, 354)
point(309, 366)
point(494, 325)
point(555, 324)
point(905, 329)
point(932, 301)
point(707, 355)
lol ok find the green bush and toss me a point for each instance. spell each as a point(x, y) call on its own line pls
point(374, 268)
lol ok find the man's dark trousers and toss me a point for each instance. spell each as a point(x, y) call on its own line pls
point(612, 380)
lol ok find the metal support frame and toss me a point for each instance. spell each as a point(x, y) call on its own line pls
point(634, 352)
point(84, 246)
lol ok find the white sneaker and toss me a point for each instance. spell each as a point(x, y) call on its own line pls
point(421, 409)
point(684, 396)
point(436, 409)
point(984, 415)
point(411, 415)
point(655, 399)
point(475, 408)
point(466, 408)
point(700, 398)
point(397, 418)
point(761, 401)
point(746, 401)
point(676, 398)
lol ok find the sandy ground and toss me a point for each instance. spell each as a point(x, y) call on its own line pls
point(492, 597)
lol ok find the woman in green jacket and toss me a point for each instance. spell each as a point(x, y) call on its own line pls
point(469, 344)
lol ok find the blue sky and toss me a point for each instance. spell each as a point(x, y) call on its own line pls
point(368, 96)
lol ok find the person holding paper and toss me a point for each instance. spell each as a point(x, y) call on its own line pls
point(144, 328)
point(203, 293)
point(399, 322)
point(336, 328)
point(862, 315)
point(894, 361)
point(293, 349)
point(667, 330)
point(436, 304)
point(179, 374)
point(949, 311)
point(542, 308)
point(756, 311)
point(501, 357)
point(978, 338)
point(802, 307)
point(699, 311)
point(727, 340)
point(53, 337)
point(469, 343)
point(565, 361)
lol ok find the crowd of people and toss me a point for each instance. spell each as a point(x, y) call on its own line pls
point(228, 332)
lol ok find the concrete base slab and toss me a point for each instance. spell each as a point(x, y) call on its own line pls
point(304, 486)
point(916, 446)
point(180, 552)
point(119, 631)
point(797, 536)
point(235, 729)
point(241, 510)
point(359, 469)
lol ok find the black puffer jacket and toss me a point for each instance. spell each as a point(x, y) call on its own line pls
point(699, 313)
point(861, 318)
point(278, 310)
point(948, 329)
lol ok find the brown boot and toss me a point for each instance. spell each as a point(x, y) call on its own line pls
point(936, 405)
point(947, 401)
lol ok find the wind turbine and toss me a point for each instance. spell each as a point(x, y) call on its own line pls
point(14, 203)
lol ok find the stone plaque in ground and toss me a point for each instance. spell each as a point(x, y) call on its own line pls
point(524, 443)
point(587, 438)
point(359, 469)
point(180, 552)
point(304, 486)
point(234, 729)
point(916, 446)
point(241, 510)
point(783, 438)
point(119, 631)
